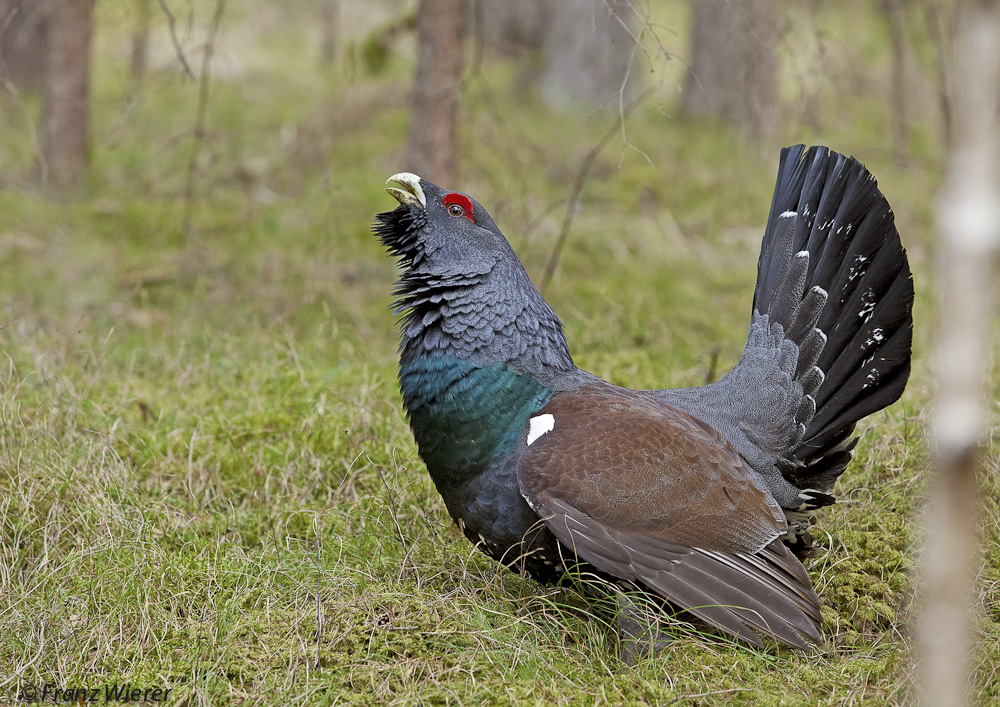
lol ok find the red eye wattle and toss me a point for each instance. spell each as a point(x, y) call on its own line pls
point(458, 205)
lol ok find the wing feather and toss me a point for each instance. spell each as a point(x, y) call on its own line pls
point(644, 494)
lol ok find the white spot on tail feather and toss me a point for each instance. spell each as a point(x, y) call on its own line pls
point(876, 338)
point(808, 499)
point(788, 214)
point(868, 303)
point(858, 268)
point(537, 426)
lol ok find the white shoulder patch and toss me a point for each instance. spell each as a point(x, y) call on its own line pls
point(537, 426)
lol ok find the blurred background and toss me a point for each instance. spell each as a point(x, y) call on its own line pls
point(180, 166)
point(198, 379)
point(171, 122)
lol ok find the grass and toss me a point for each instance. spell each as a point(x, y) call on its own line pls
point(206, 479)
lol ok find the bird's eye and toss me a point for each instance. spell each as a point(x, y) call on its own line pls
point(458, 205)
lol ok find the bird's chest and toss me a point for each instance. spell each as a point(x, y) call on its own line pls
point(469, 424)
point(466, 419)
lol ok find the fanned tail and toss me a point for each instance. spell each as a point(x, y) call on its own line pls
point(830, 333)
point(834, 276)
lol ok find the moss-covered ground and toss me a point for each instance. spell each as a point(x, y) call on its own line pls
point(206, 480)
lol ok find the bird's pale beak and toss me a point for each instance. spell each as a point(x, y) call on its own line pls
point(411, 193)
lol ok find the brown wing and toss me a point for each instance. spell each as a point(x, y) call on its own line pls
point(647, 493)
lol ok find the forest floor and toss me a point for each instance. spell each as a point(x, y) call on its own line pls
point(207, 483)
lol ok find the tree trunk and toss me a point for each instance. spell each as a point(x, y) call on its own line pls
point(969, 224)
point(588, 49)
point(734, 68)
point(433, 140)
point(66, 101)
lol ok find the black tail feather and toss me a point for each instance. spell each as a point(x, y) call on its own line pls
point(829, 219)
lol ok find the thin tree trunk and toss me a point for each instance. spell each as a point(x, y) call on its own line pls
point(66, 101)
point(734, 68)
point(969, 216)
point(433, 140)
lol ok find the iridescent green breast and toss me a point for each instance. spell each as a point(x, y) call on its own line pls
point(465, 418)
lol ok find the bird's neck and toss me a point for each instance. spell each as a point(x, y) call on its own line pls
point(497, 317)
point(466, 417)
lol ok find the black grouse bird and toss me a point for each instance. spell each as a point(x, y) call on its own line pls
point(694, 494)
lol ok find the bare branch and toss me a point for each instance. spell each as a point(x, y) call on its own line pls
point(172, 23)
point(572, 203)
point(199, 120)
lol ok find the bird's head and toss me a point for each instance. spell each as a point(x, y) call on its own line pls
point(439, 232)
point(463, 292)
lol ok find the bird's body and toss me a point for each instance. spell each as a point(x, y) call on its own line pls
point(686, 493)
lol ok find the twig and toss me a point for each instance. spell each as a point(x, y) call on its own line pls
point(172, 23)
point(9, 19)
point(319, 615)
point(199, 120)
point(581, 178)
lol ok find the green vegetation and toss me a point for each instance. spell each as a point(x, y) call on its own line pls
point(207, 482)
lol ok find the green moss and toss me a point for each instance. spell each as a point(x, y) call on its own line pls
point(868, 586)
